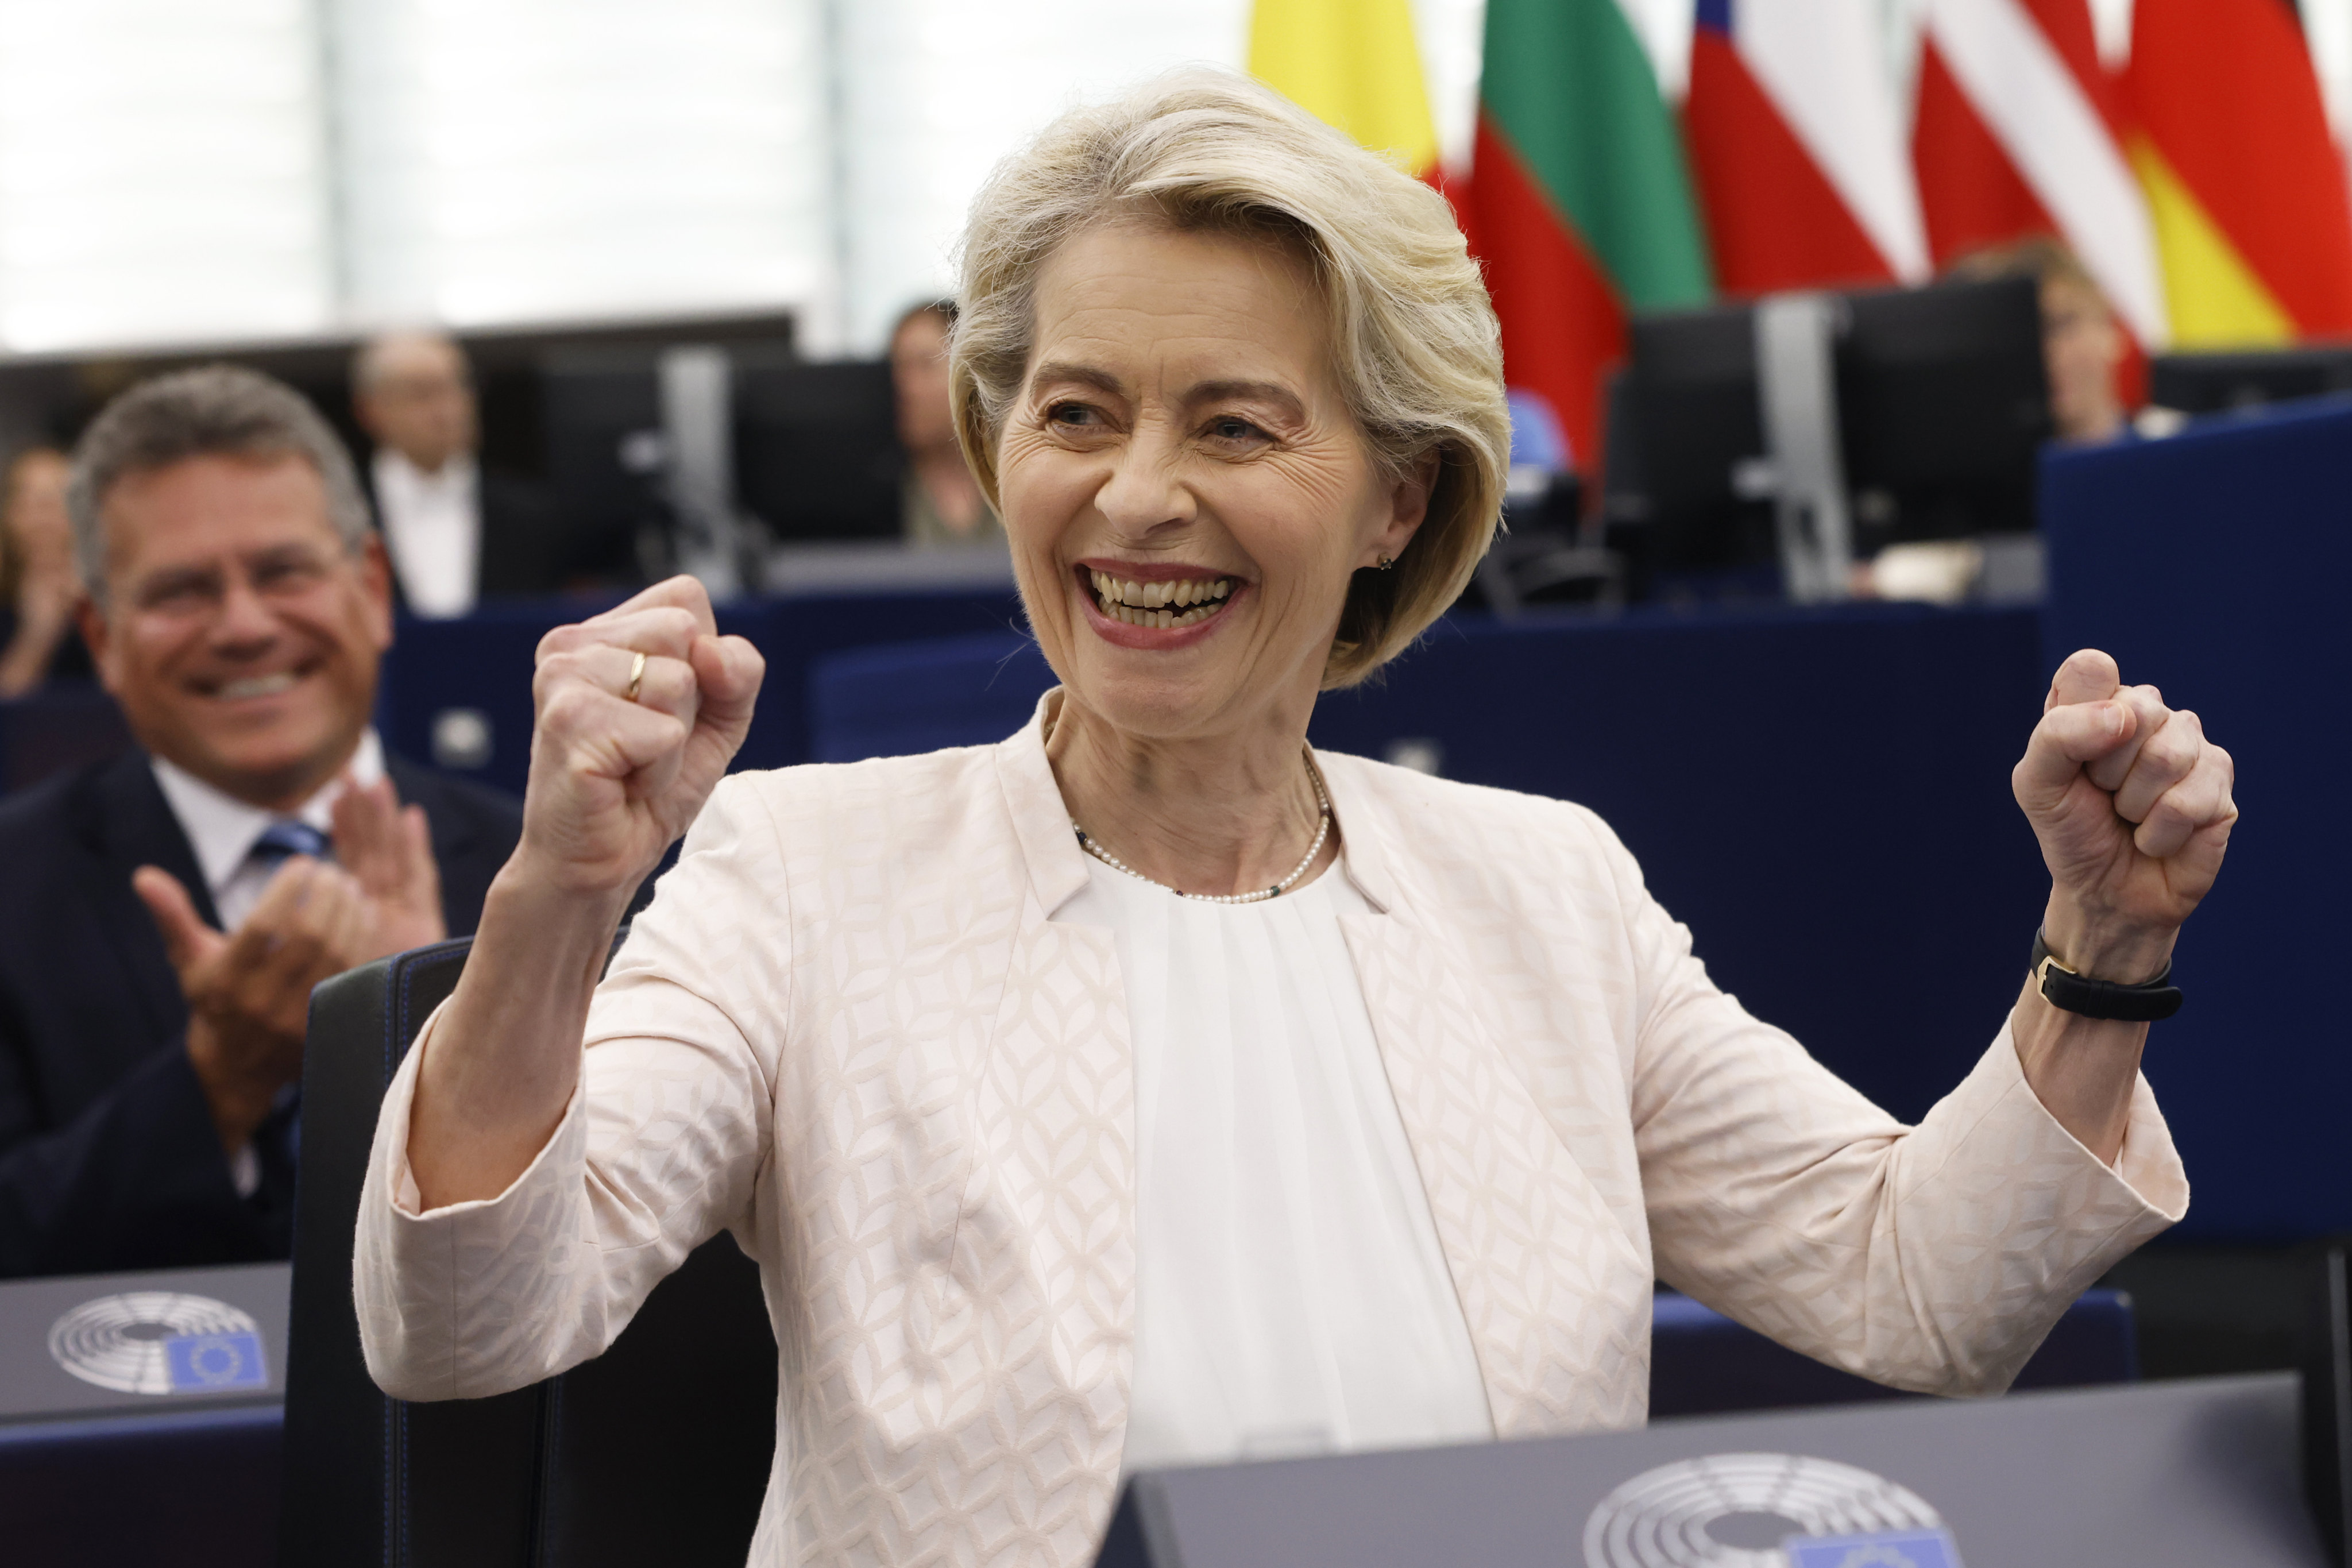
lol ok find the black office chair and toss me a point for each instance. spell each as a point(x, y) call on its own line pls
point(657, 1452)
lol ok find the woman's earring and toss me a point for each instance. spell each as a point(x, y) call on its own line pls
point(1387, 562)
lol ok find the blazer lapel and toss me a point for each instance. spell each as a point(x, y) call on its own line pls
point(1056, 1101)
point(1554, 1292)
point(131, 825)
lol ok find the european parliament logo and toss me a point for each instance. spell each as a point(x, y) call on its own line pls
point(1888, 1549)
point(214, 1364)
point(161, 1343)
point(1765, 1511)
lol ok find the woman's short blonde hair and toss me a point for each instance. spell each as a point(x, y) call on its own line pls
point(1417, 351)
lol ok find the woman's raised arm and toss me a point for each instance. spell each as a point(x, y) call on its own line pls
point(638, 711)
point(2132, 807)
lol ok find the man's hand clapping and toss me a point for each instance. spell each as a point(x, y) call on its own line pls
point(248, 995)
point(389, 849)
point(2132, 804)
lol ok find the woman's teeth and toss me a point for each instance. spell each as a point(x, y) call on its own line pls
point(1179, 602)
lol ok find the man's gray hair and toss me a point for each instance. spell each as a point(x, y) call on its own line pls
point(216, 410)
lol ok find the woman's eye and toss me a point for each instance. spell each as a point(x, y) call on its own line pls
point(1233, 427)
point(1074, 415)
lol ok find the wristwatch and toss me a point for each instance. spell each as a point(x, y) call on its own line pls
point(2142, 1003)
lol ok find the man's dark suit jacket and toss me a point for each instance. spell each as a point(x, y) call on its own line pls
point(108, 1159)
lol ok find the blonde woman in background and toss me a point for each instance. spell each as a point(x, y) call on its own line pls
point(939, 501)
point(1149, 1089)
point(38, 588)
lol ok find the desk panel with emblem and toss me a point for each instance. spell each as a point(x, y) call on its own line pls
point(2202, 1471)
point(117, 1344)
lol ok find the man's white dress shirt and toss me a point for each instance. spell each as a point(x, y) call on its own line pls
point(223, 831)
point(432, 527)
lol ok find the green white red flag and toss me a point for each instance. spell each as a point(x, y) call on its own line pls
point(1580, 204)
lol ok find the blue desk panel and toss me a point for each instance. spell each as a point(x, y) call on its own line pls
point(195, 1489)
point(2217, 565)
point(1823, 796)
point(1703, 1363)
point(484, 662)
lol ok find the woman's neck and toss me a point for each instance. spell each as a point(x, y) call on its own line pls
point(1212, 816)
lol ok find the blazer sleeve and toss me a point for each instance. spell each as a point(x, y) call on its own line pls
point(137, 1180)
point(1932, 1258)
point(660, 1147)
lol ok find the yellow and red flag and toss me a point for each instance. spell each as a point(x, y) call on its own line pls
point(2244, 184)
point(1353, 64)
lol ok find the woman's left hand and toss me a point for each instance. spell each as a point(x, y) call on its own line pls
point(2132, 804)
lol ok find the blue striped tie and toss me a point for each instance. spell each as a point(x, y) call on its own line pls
point(287, 836)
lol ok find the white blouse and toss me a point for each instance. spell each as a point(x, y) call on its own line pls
point(1292, 1296)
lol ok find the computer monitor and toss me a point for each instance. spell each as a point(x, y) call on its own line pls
point(817, 450)
point(1942, 406)
point(1685, 456)
point(2220, 383)
point(604, 432)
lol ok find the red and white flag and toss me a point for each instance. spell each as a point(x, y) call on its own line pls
point(1798, 147)
point(2019, 133)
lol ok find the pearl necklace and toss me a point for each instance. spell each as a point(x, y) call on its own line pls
point(1323, 831)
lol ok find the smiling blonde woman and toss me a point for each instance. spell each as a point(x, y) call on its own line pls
point(1149, 1089)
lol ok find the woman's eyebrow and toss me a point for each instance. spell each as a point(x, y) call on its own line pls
point(1065, 372)
point(1281, 397)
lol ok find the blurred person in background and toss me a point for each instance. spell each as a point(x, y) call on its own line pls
point(2082, 347)
point(38, 589)
point(164, 915)
point(455, 533)
point(941, 502)
point(2082, 343)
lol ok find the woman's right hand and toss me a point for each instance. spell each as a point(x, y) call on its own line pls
point(613, 783)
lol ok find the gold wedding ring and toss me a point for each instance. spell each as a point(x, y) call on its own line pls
point(636, 677)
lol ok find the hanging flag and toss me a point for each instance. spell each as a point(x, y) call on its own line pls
point(1352, 64)
point(1580, 201)
point(2245, 187)
point(1798, 147)
point(2019, 131)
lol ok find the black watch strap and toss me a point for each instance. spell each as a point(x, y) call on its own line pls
point(2142, 1003)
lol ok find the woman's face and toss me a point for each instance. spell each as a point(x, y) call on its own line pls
point(35, 511)
point(1186, 491)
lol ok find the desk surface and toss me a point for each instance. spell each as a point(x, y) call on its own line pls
point(2203, 1471)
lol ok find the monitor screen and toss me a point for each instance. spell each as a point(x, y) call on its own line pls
point(2218, 382)
point(816, 448)
point(1943, 405)
point(1685, 445)
point(603, 415)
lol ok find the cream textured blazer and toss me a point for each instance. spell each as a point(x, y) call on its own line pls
point(851, 1031)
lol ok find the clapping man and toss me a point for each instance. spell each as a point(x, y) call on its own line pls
point(163, 917)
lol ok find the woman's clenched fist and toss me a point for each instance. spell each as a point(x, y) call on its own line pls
point(2133, 806)
point(623, 753)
